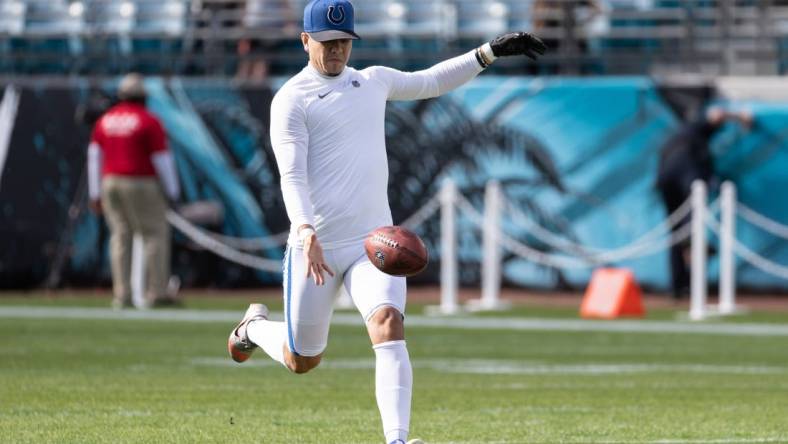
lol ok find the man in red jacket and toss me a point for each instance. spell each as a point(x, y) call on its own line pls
point(130, 170)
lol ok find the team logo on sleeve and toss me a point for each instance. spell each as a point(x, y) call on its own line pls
point(340, 14)
point(356, 83)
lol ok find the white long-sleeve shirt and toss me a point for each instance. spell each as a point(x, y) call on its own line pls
point(329, 141)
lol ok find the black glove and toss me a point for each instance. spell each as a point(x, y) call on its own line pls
point(517, 43)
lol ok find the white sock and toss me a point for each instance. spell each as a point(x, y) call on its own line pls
point(393, 386)
point(270, 336)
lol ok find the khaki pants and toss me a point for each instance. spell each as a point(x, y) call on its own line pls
point(134, 205)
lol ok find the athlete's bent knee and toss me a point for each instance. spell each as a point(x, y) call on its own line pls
point(386, 325)
point(301, 364)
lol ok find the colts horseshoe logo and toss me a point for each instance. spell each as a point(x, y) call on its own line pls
point(341, 16)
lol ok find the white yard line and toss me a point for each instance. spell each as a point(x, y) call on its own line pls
point(462, 323)
point(515, 367)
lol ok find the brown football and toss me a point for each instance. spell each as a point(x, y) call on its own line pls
point(396, 251)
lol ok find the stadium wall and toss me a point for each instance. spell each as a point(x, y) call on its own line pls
point(579, 156)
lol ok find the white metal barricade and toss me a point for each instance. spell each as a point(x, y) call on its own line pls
point(698, 282)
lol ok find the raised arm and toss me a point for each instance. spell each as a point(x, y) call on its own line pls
point(431, 82)
point(452, 73)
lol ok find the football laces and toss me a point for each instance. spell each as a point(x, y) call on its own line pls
point(386, 241)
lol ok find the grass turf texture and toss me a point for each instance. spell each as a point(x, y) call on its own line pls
point(138, 381)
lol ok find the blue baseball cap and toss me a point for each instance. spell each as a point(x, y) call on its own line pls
point(329, 20)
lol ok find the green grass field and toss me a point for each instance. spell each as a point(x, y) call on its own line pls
point(103, 380)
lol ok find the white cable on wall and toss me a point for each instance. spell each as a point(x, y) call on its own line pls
point(761, 221)
point(639, 248)
point(558, 242)
point(196, 235)
point(229, 247)
point(422, 214)
point(251, 243)
point(750, 256)
point(599, 255)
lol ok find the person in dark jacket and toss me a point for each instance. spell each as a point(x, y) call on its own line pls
point(686, 157)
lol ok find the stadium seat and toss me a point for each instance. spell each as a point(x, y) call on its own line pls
point(110, 16)
point(157, 35)
point(12, 24)
point(520, 15)
point(375, 18)
point(631, 4)
point(271, 14)
point(51, 37)
point(482, 19)
point(160, 17)
point(631, 36)
point(431, 18)
point(12, 17)
point(54, 17)
point(110, 23)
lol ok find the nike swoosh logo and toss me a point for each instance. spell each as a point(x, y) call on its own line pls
point(320, 96)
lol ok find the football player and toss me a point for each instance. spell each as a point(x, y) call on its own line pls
point(327, 133)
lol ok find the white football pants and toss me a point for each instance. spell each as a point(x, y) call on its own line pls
point(308, 307)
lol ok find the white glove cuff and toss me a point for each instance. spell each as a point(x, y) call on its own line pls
point(487, 51)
